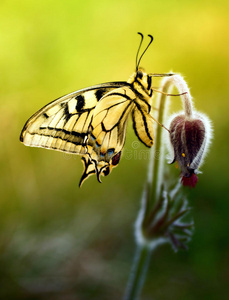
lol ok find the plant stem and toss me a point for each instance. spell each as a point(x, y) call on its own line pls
point(153, 188)
point(137, 276)
point(143, 252)
point(156, 164)
point(182, 87)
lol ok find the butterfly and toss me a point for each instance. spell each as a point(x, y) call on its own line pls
point(92, 121)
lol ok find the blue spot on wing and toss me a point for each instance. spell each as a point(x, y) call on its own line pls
point(110, 152)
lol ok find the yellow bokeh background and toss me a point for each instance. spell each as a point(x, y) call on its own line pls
point(61, 242)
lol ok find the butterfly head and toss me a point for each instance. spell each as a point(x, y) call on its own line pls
point(142, 82)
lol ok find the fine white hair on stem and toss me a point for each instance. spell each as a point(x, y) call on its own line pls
point(208, 132)
point(182, 87)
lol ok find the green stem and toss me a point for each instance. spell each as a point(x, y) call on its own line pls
point(137, 276)
point(143, 252)
point(156, 165)
point(154, 184)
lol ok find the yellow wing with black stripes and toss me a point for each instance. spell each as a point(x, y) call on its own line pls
point(92, 123)
point(63, 124)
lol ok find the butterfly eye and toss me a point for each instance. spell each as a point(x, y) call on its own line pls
point(139, 74)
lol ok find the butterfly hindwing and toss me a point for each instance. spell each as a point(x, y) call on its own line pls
point(143, 127)
point(107, 132)
point(108, 126)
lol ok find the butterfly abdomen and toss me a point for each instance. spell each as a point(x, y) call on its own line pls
point(142, 122)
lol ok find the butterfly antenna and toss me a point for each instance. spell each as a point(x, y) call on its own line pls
point(151, 40)
point(139, 49)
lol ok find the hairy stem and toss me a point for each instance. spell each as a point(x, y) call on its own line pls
point(153, 188)
point(137, 276)
point(182, 87)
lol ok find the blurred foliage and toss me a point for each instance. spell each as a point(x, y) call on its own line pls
point(61, 242)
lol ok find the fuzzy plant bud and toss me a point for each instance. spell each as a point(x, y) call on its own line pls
point(189, 137)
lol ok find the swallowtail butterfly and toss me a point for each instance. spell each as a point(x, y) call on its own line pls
point(92, 122)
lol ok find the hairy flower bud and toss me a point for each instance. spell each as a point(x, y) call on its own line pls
point(189, 137)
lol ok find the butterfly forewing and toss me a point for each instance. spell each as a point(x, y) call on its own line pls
point(63, 124)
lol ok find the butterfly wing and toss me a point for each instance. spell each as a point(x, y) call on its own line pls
point(108, 131)
point(143, 125)
point(92, 122)
point(63, 124)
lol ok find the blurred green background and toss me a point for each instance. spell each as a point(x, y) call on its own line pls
point(61, 242)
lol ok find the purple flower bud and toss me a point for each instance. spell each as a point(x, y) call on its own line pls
point(189, 137)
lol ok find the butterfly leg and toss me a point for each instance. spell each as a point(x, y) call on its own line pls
point(161, 74)
point(88, 169)
point(168, 94)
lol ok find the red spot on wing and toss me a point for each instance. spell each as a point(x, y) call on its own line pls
point(116, 159)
